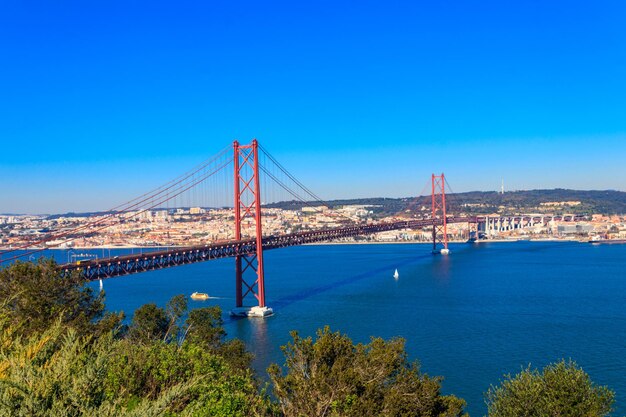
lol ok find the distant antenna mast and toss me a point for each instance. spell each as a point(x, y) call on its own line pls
point(502, 187)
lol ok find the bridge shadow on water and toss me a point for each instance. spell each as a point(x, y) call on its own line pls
point(457, 250)
point(283, 302)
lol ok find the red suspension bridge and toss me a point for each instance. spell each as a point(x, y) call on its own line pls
point(250, 165)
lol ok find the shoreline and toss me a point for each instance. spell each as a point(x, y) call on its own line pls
point(408, 242)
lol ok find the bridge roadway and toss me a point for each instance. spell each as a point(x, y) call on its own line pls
point(150, 261)
point(132, 264)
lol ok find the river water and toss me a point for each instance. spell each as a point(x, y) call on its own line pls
point(485, 310)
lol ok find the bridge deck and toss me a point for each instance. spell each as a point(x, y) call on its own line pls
point(150, 261)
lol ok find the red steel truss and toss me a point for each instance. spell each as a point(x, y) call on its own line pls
point(248, 206)
point(440, 232)
point(150, 261)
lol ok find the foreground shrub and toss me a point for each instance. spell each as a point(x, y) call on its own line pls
point(332, 376)
point(560, 390)
point(202, 327)
point(36, 295)
point(60, 373)
point(150, 370)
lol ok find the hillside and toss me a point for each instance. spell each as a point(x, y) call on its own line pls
point(473, 202)
point(485, 202)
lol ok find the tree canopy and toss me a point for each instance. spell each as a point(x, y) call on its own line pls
point(61, 373)
point(560, 390)
point(332, 376)
point(37, 295)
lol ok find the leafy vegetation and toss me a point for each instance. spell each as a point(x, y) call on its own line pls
point(332, 376)
point(71, 362)
point(560, 390)
point(60, 373)
point(37, 295)
point(62, 355)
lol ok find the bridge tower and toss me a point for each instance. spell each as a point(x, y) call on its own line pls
point(473, 232)
point(247, 207)
point(440, 231)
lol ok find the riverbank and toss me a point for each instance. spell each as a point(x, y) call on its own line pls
point(369, 242)
point(77, 248)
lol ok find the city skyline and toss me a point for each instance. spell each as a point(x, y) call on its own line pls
point(105, 102)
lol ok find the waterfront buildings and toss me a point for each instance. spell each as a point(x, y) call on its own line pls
point(198, 225)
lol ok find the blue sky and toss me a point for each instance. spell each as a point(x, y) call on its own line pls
point(104, 100)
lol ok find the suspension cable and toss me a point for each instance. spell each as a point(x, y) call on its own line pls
point(167, 198)
point(125, 207)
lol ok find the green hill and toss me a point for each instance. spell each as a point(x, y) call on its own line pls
point(485, 202)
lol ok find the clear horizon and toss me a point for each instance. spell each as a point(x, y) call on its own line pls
point(103, 102)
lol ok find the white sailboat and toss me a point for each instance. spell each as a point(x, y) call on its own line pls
point(101, 286)
point(396, 275)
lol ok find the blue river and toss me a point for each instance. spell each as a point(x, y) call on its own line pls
point(485, 310)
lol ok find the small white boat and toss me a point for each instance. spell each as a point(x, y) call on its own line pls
point(396, 275)
point(199, 296)
point(101, 286)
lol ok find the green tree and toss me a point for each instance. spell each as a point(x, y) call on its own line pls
point(150, 370)
point(174, 310)
point(59, 373)
point(204, 328)
point(37, 294)
point(332, 376)
point(235, 353)
point(149, 323)
point(560, 390)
